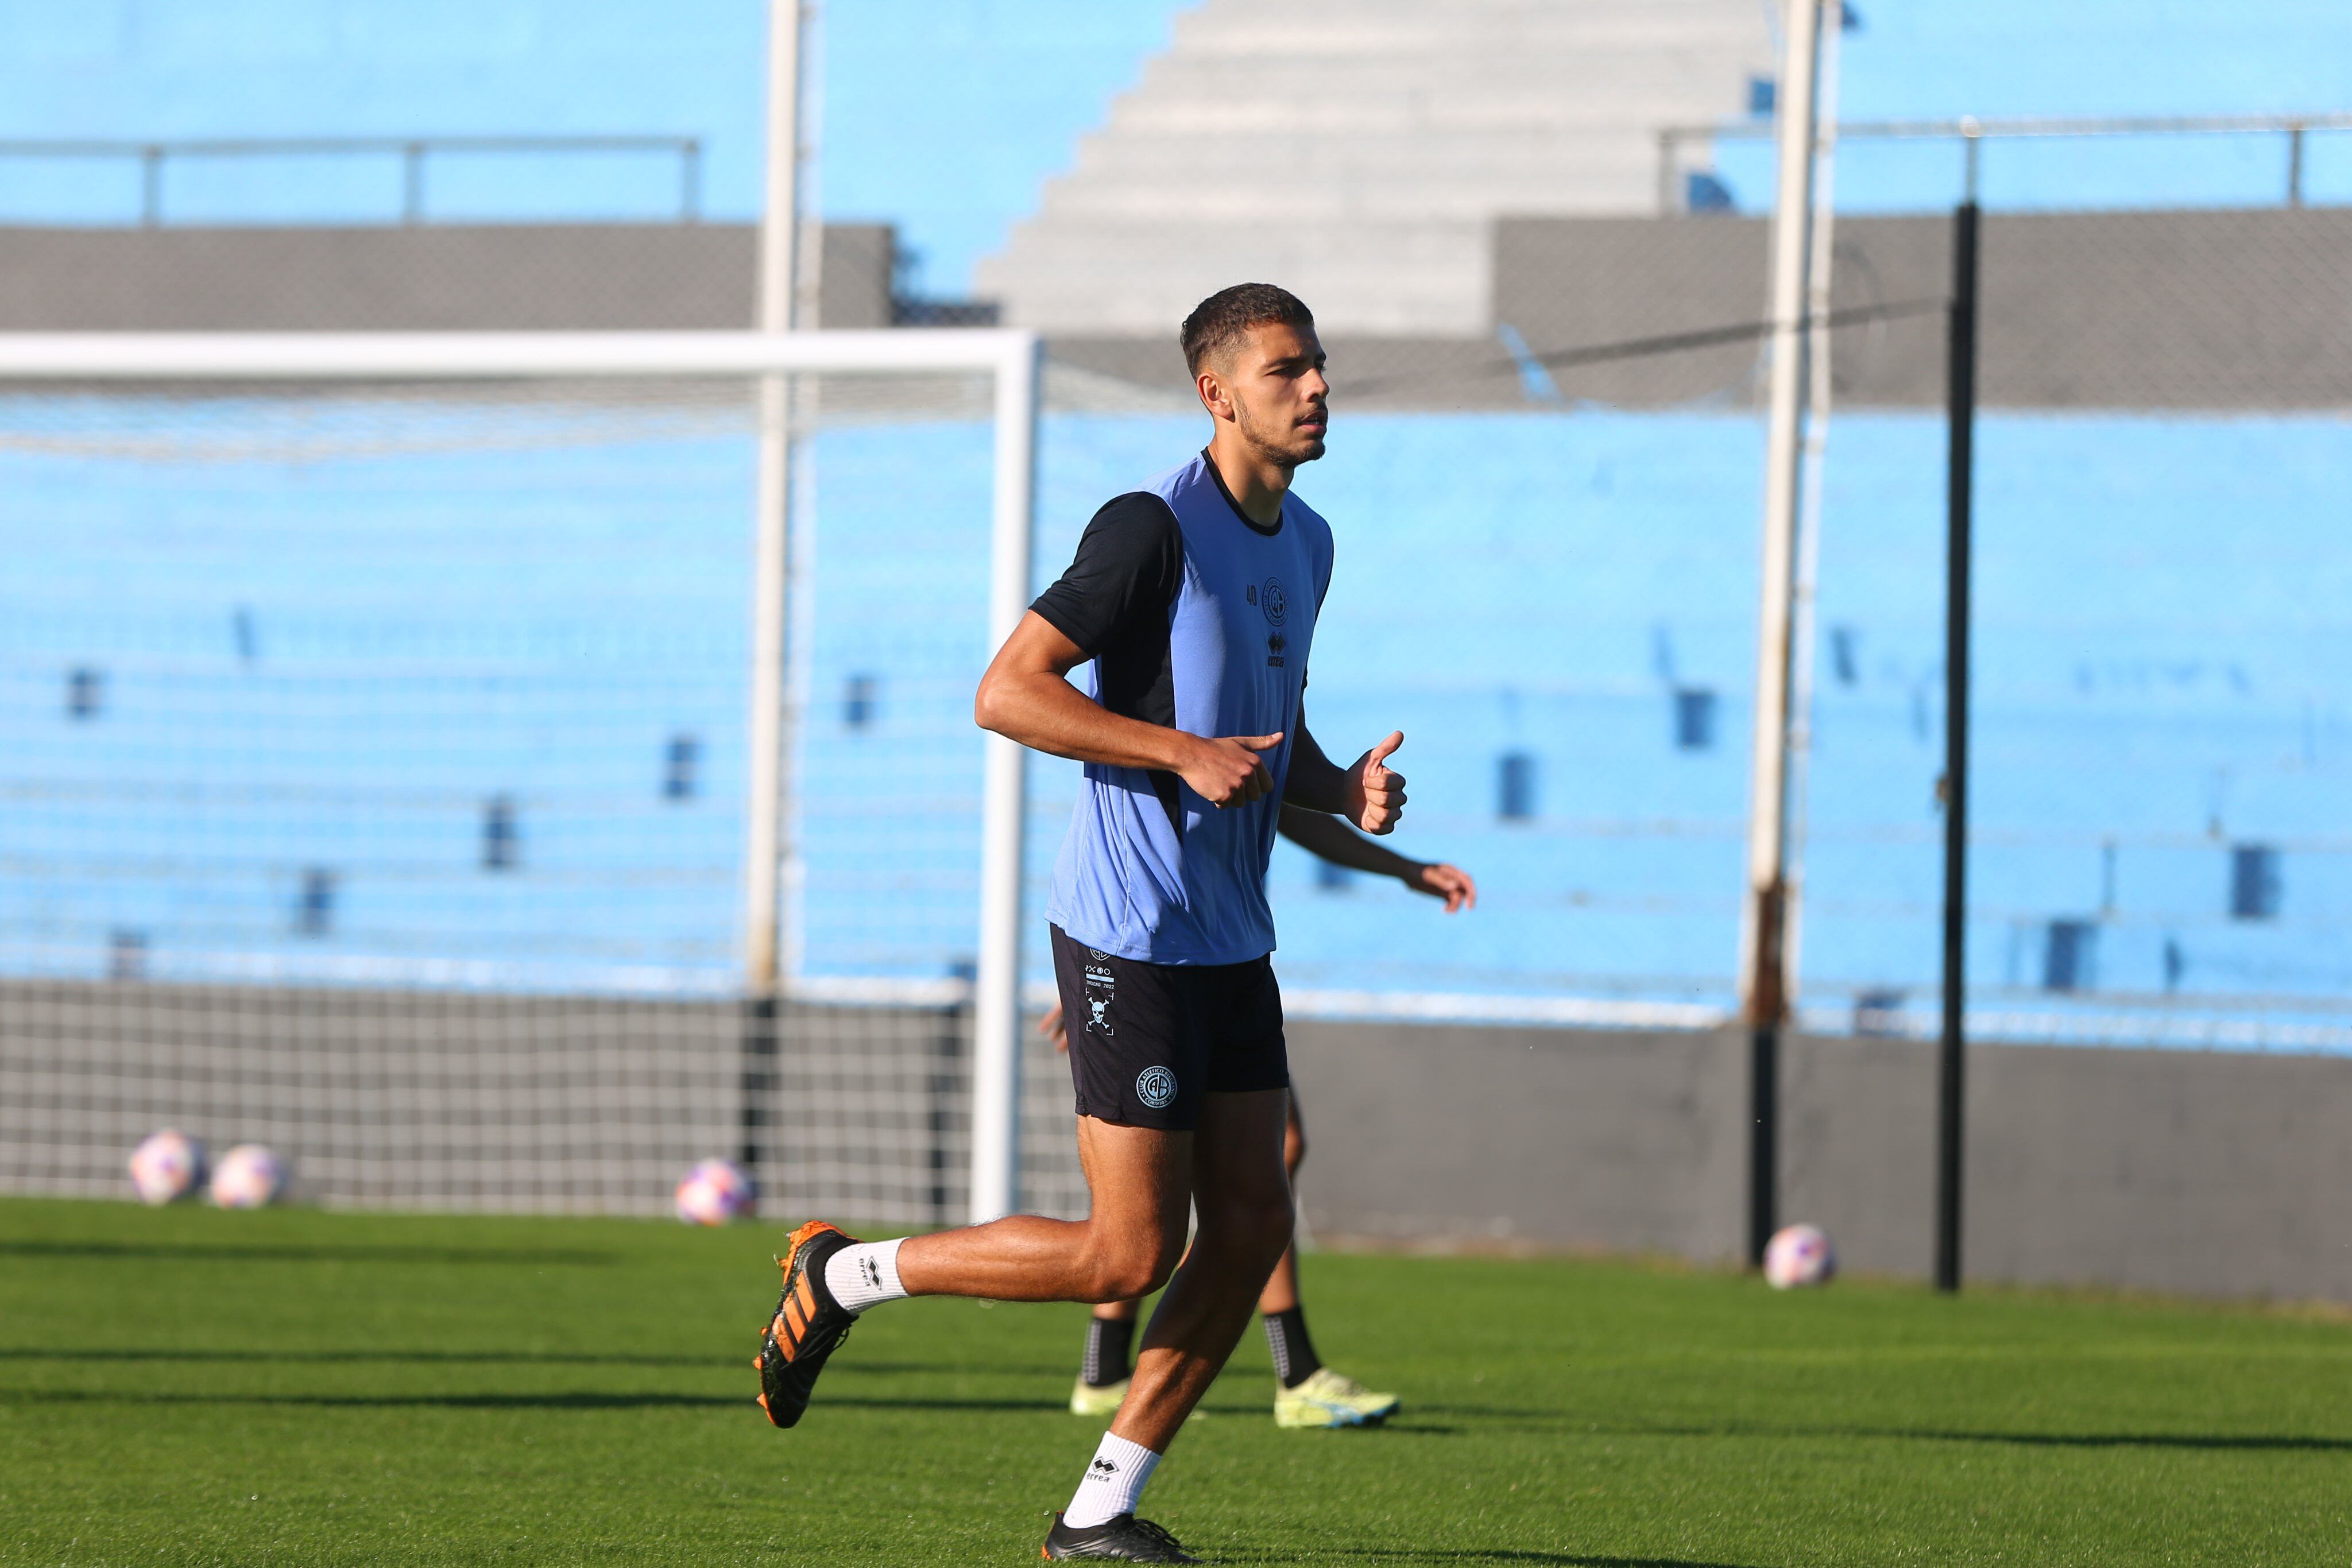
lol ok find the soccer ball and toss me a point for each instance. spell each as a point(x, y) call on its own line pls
point(1799, 1255)
point(248, 1176)
point(166, 1166)
point(713, 1193)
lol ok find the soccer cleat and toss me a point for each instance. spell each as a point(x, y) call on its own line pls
point(809, 1325)
point(1091, 1399)
point(1327, 1400)
point(1122, 1538)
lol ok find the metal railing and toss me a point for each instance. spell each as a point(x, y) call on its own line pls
point(411, 150)
point(1973, 132)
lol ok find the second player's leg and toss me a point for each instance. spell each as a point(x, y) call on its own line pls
point(1242, 1197)
point(1281, 1292)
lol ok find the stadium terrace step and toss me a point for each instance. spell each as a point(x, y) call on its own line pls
point(1386, 135)
point(1390, 277)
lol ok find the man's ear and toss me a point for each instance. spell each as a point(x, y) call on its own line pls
point(1214, 395)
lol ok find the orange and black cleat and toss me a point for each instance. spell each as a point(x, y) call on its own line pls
point(809, 1325)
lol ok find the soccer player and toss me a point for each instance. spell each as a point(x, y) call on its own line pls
point(1195, 601)
point(1308, 1394)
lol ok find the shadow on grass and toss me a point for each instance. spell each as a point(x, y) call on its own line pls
point(567, 1401)
point(150, 1251)
point(2219, 1442)
point(1505, 1554)
point(729, 1362)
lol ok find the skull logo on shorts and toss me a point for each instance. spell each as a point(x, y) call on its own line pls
point(1155, 1086)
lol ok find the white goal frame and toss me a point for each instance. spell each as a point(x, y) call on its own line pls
point(1011, 358)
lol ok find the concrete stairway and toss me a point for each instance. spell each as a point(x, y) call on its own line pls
point(1355, 150)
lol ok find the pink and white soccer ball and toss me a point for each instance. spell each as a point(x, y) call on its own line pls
point(166, 1166)
point(1799, 1255)
point(248, 1176)
point(713, 1193)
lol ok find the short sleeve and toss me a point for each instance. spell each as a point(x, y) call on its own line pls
point(1129, 564)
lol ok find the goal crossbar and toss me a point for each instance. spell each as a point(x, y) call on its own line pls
point(1010, 358)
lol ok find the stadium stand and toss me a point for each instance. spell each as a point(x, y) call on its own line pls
point(1388, 135)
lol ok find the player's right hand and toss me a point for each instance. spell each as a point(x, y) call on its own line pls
point(1450, 883)
point(1229, 771)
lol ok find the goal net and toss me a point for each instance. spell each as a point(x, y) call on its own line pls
point(378, 722)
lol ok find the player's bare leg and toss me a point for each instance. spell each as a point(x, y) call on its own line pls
point(1140, 1182)
point(1242, 1199)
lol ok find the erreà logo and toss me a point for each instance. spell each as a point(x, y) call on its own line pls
point(1102, 1468)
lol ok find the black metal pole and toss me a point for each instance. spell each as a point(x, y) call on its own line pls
point(1951, 1082)
point(1763, 1138)
point(759, 1083)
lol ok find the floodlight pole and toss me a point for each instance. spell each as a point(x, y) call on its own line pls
point(779, 256)
point(1763, 974)
point(1951, 1087)
point(766, 901)
point(996, 987)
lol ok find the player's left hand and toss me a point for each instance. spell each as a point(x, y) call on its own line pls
point(1450, 883)
point(1050, 1026)
point(1375, 792)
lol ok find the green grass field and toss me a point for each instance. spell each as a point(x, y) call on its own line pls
point(297, 1387)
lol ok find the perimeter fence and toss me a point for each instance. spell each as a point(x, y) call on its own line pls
point(376, 763)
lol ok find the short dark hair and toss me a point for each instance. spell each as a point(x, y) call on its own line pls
point(1220, 321)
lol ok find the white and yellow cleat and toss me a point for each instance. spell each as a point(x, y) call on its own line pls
point(1327, 1400)
point(1087, 1399)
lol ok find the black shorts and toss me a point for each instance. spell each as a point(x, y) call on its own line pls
point(1147, 1040)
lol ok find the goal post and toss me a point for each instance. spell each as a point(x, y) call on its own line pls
point(488, 365)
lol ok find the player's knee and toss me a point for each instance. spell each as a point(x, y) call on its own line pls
point(1128, 1266)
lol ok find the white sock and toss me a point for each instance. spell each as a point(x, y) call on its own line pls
point(1113, 1484)
point(864, 1274)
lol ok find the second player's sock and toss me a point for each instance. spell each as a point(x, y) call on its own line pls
point(1109, 1342)
point(1294, 1353)
point(1113, 1483)
point(865, 1275)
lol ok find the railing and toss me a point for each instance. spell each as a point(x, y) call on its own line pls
point(1973, 132)
point(411, 150)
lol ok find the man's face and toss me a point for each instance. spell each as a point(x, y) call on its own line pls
point(1278, 395)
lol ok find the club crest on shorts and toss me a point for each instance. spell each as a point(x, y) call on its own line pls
point(1155, 1086)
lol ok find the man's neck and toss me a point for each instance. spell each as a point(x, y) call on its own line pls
point(1256, 485)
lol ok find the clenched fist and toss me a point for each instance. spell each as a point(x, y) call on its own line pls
point(1229, 771)
point(1375, 792)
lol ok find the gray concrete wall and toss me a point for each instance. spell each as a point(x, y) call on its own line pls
point(2213, 308)
point(2177, 1171)
point(2222, 1175)
point(449, 277)
point(1619, 1142)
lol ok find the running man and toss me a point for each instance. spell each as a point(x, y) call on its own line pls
point(1307, 1394)
point(1195, 601)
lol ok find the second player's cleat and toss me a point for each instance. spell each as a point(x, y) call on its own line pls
point(809, 1325)
point(1092, 1399)
point(1122, 1538)
point(1327, 1400)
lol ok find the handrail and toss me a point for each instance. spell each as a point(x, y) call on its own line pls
point(411, 150)
point(1972, 130)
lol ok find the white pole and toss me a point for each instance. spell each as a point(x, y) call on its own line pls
point(1762, 977)
point(996, 993)
point(778, 254)
point(1819, 260)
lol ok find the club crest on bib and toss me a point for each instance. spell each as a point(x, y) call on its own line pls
point(1155, 1086)
point(1274, 601)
